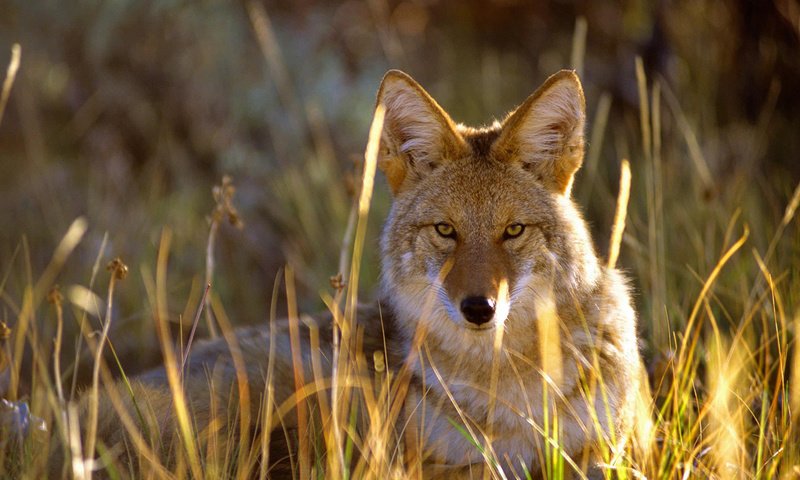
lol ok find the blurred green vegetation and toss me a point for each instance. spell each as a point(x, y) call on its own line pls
point(128, 112)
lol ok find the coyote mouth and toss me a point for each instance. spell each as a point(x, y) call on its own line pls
point(480, 328)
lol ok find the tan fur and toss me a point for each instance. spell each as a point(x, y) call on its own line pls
point(517, 172)
point(562, 319)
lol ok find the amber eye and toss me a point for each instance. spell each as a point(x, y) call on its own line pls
point(514, 230)
point(446, 230)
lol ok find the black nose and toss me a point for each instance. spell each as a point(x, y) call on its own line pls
point(477, 310)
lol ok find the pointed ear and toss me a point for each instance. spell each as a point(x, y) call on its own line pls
point(545, 134)
point(417, 134)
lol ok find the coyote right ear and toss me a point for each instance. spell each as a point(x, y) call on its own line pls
point(545, 133)
point(417, 134)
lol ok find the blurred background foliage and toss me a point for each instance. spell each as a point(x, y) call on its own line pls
point(127, 112)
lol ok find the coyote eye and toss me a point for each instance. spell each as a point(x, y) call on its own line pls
point(514, 230)
point(445, 229)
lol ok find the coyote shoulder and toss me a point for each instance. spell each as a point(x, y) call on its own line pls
point(513, 332)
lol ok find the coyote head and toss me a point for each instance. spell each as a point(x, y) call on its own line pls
point(482, 232)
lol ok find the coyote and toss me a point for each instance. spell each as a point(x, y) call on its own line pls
point(515, 336)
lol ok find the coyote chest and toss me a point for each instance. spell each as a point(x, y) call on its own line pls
point(500, 414)
point(508, 405)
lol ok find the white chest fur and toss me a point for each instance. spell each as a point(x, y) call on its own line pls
point(467, 420)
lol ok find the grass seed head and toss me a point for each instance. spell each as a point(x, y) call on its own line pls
point(117, 268)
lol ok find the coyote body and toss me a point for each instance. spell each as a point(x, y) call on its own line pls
point(517, 338)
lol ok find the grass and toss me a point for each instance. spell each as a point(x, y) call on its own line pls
point(716, 265)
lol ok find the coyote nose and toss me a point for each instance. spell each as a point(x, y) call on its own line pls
point(477, 310)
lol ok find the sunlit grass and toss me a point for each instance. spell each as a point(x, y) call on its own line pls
point(722, 405)
point(722, 409)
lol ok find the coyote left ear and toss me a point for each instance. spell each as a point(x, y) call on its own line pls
point(545, 133)
point(418, 135)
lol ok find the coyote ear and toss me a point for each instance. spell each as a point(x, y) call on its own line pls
point(545, 133)
point(417, 134)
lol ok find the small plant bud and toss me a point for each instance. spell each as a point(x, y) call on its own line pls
point(379, 361)
point(223, 197)
point(55, 297)
point(5, 331)
point(337, 282)
point(117, 268)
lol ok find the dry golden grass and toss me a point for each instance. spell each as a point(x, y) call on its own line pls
point(723, 361)
point(722, 405)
